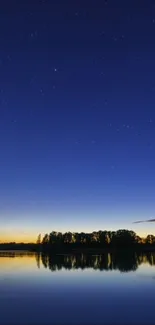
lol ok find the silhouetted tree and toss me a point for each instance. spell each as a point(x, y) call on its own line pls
point(124, 237)
point(67, 238)
point(104, 238)
point(39, 239)
point(53, 238)
point(45, 242)
point(150, 239)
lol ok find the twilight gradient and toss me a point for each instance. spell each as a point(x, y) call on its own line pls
point(77, 117)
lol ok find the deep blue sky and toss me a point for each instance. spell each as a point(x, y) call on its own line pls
point(77, 116)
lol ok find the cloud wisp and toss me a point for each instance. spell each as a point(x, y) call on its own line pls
point(141, 221)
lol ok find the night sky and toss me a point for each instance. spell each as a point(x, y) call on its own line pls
point(77, 116)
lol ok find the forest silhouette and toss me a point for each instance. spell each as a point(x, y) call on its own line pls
point(102, 239)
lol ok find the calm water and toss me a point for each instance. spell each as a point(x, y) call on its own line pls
point(77, 289)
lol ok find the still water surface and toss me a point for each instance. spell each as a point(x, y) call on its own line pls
point(83, 289)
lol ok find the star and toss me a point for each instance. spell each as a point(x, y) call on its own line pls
point(32, 80)
point(41, 91)
point(34, 34)
point(55, 69)
point(9, 57)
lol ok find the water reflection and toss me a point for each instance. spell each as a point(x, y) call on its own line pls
point(124, 262)
point(28, 288)
point(13, 254)
point(108, 262)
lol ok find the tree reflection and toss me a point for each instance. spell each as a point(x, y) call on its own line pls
point(37, 256)
point(107, 262)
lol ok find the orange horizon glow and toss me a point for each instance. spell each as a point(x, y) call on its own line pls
point(32, 238)
point(18, 239)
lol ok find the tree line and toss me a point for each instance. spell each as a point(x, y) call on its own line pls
point(73, 240)
point(119, 238)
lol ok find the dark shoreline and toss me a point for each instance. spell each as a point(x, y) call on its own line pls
point(75, 250)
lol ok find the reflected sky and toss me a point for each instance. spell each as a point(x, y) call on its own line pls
point(81, 289)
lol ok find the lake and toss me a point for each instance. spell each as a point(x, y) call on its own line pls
point(77, 289)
